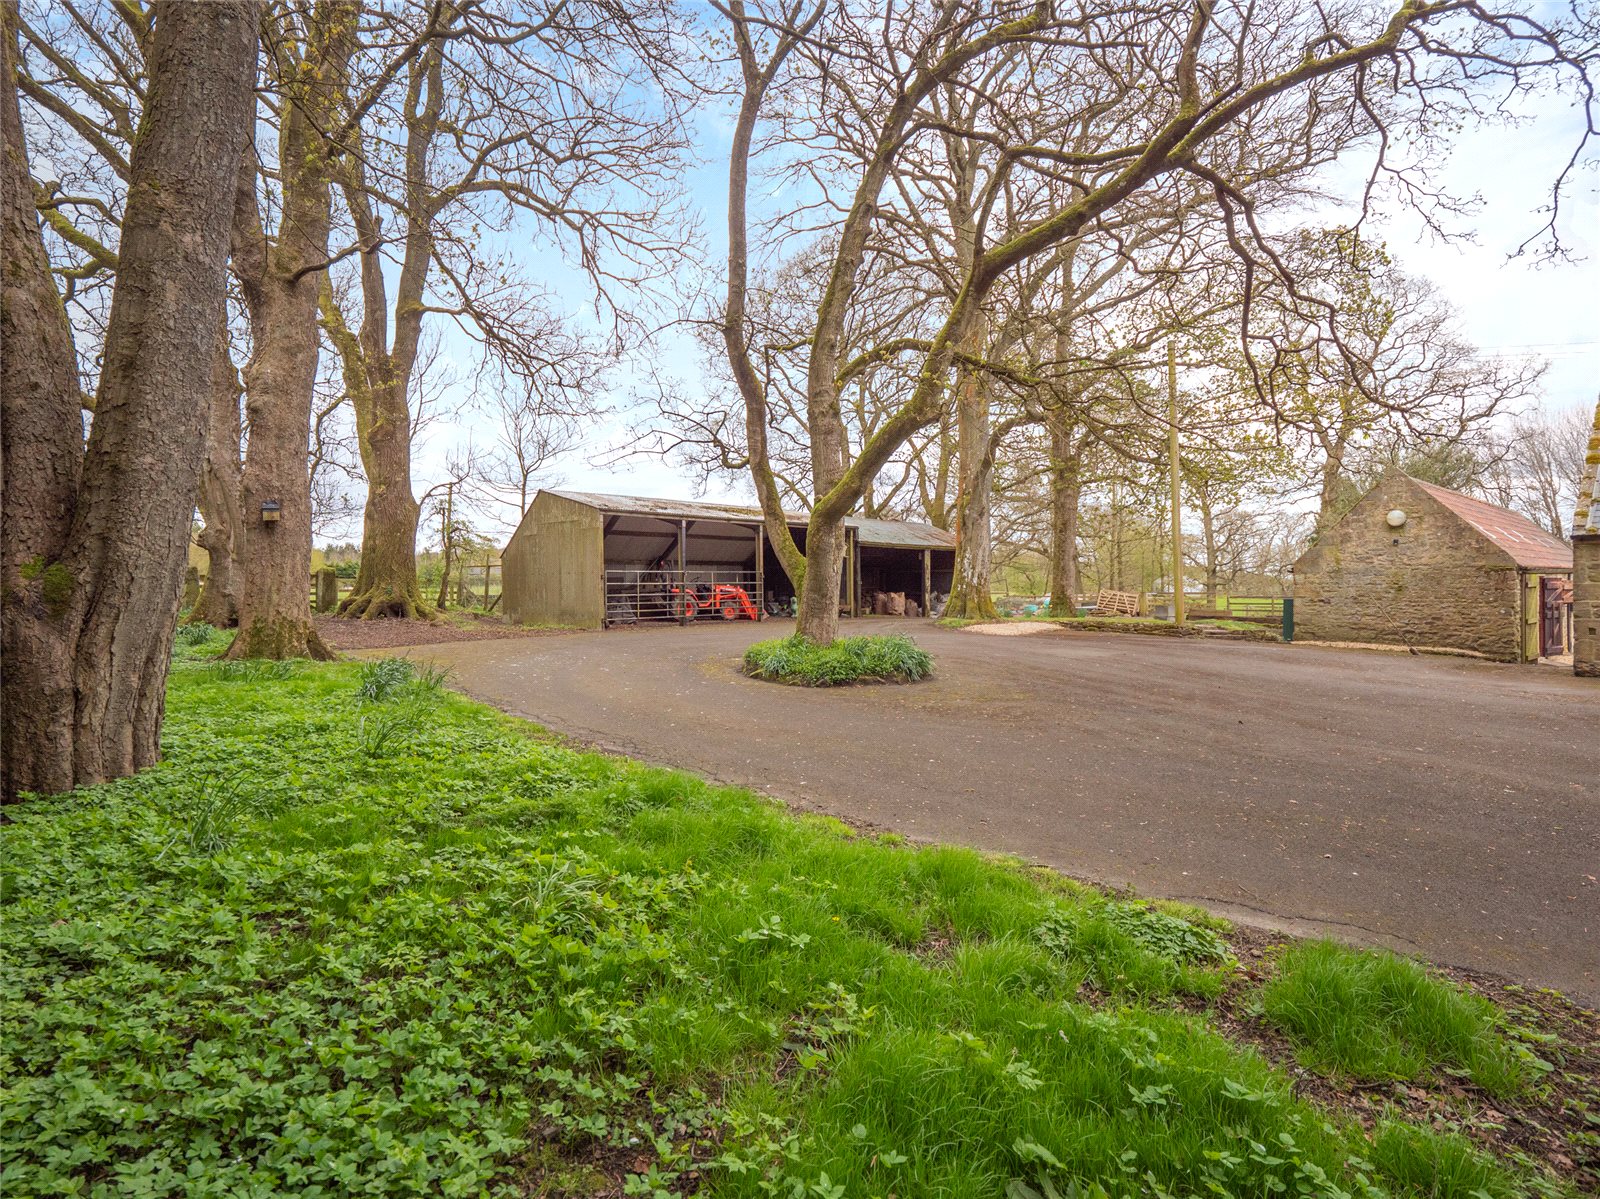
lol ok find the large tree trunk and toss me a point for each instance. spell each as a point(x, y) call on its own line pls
point(970, 597)
point(819, 593)
point(1066, 492)
point(281, 283)
point(274, 593)
point(219, 495)
point(378, 376)
point(386, 583)
point(970, 594)
point(41, 456)
point(94, 563)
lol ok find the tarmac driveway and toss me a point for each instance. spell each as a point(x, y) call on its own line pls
point(1440, 806)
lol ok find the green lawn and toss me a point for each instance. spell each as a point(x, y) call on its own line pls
point(358, 935)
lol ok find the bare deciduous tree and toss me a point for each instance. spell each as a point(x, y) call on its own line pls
point(1400, 377)
point(1545, 466)
point(547, 120)
point(1188, 82)
point(280, 249)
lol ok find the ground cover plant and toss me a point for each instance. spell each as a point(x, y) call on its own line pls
point(463, 959)
point(890, 658)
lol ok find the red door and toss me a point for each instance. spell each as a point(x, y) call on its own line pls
point(1555, 615)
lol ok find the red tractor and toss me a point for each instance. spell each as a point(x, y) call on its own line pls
point(732, 602)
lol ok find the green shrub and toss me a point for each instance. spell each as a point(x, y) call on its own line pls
point(1374, 1016)
point(199, 642)
point(883, 659)
point(1166, 934)
point(193, 634)
point(380, 680)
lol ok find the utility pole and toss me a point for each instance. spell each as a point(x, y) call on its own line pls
point(1177, 495)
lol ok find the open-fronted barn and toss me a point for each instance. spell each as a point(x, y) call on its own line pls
point(585, 560)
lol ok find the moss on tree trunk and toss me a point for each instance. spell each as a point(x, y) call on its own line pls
point(819, 592)
point(279, 638)
point(971, 595)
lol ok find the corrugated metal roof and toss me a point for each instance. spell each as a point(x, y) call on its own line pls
point(905, 534)
point(1530, 546)
point(901, 534)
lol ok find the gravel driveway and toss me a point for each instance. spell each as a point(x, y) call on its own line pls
point(1440, 806)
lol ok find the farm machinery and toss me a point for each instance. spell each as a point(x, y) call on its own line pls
point(724, 599)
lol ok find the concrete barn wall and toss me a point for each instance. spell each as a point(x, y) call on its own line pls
point(554, 566)
point(1586, 605)
point(1442, 585)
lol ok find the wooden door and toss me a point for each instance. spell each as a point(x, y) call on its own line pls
point(1555, 615)
point(1530, 618)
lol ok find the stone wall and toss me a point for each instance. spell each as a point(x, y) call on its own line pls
point(1433, 582)
point(1586, 604)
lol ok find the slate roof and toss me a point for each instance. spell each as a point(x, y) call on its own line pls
point(1530, 547)
point(904, 534)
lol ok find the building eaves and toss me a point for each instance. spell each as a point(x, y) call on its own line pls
point(898, 534)
point(1530, 547)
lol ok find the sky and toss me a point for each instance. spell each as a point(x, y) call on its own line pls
point(1507, 305)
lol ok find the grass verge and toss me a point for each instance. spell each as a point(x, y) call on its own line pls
point(889, 658)
point(1375, 1017)
point(356, 934)
point(1241, 630)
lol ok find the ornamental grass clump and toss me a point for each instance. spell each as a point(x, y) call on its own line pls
point(883, 659)
point(1375, 1017)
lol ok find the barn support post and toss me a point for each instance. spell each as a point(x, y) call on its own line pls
point(761, 573)
point(683, 575)
point(927, 582)
point(855, 572)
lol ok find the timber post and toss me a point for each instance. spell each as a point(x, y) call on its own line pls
point(327, 589)
point(684, 599)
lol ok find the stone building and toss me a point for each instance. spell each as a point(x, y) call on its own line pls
point(1586, 604)
point(1420, 565)
point(1586, 560)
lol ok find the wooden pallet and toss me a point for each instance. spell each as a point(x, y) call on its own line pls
point(1116, 603)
